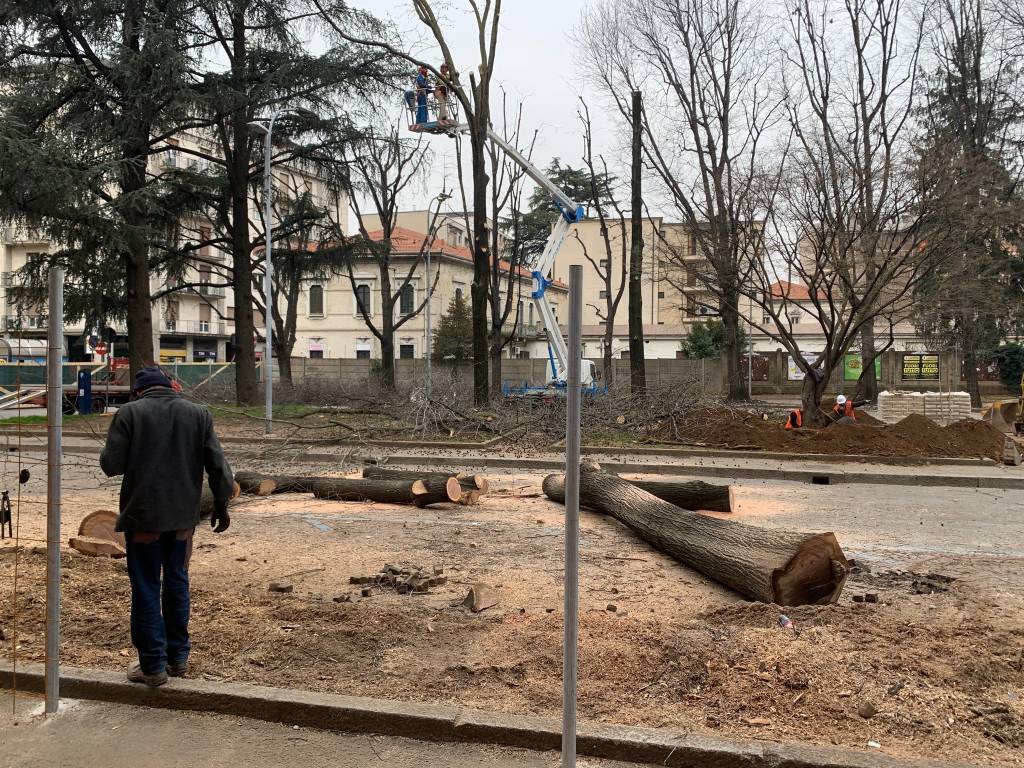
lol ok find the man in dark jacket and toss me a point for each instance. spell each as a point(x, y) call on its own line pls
point(161, 443)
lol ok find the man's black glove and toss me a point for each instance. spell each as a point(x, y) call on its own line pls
point(220, 519)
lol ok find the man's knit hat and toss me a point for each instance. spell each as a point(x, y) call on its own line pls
point(150, 377)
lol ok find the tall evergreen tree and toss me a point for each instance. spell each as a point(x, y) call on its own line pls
point(967, 154)
point(90, 89)
point(453, 337)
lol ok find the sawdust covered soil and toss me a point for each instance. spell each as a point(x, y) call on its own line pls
point(915, 436)
point(723, 668)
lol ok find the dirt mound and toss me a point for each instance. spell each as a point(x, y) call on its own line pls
point(915, 436)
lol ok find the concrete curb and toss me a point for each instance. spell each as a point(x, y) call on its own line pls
point(822, 477)
point(428, 722)
point(813, 476)
point(647, 450)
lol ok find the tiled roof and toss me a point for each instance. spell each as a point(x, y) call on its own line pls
point(408, 242)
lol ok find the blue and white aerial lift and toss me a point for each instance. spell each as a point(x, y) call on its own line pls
point(540, 266)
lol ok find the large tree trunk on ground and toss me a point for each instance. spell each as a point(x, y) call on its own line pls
point(466, 482)
point(419, 492)
point(635, 310)
point(694, 495)
point(769, 565)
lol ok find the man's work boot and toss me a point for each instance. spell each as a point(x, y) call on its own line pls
point(178, 670)
point(136, 675)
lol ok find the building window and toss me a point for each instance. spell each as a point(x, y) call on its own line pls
point(603, 263)
point(316, 354)
point(531, 313)
point(661, 294)
point(406, 351)
point(624, 354)
point(363, 303)
point(204, 318)
point(362, 354)
point(316, 300)
point(602, 295)
point(766, 318)
point(405, 300)
point(794, 318)
point(458, 292)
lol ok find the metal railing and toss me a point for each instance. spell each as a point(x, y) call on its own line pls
point(196, 327)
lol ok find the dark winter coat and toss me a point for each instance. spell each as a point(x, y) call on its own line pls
point(161, 443)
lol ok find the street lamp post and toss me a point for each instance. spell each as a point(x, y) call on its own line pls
point(267, 127)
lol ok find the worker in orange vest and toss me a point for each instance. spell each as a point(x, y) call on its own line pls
point(846, 408)
point(796, 419)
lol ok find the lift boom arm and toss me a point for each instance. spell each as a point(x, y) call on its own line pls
point(571, 212)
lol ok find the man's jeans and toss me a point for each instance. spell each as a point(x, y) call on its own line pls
point(159, 626)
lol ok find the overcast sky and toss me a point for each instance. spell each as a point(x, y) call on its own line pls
point(535, 65)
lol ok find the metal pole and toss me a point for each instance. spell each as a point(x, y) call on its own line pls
point(572, 521)
point(268, 351)
point(54, 415)
point(430, 300)
point(750, 364)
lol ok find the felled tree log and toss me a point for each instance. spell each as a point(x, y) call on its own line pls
point(264, 485)
point(255, 485)
point(430, 490)
point(693, 495)
point(468, 482)
point(769, 565)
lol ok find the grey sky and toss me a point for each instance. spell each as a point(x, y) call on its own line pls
point(535, 64)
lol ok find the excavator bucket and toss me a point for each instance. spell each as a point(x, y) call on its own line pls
point(1002, 415)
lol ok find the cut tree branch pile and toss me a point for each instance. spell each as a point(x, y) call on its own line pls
point(768, 565)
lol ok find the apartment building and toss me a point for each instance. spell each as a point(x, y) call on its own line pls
point(331, 325)
point(673, 296)
point(193, 311)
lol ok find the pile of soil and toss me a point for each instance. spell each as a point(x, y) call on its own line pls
point(915, 436)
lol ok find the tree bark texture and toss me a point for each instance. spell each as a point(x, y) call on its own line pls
point(419, 492)
point(241, 245)
point(694, 495)
point(466, 482)
point(637, 369)
point(731, 352)
point(810, 400)
point(768, 565)
point(867, 383)
point(481, 257)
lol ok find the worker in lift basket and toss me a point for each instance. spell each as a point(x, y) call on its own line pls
point(161, 444)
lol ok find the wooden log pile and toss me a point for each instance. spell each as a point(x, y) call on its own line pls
point(380, 484)
point(768, 565)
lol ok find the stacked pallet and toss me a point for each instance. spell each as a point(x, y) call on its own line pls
point(940, 407)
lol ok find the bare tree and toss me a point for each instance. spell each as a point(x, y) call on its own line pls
point(845, 206)
point(383, 166)
point(602, 203)
point(710, 101)
point(475, 104)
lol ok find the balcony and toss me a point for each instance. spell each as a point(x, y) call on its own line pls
point(205, 289)
point(195, 327)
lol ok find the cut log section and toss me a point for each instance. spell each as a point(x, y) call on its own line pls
point(101, 524)
point(430, 490)
point(693, 495)
point(96, 547)
point(769, 565)
point(255, 485)
point(466, 481)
